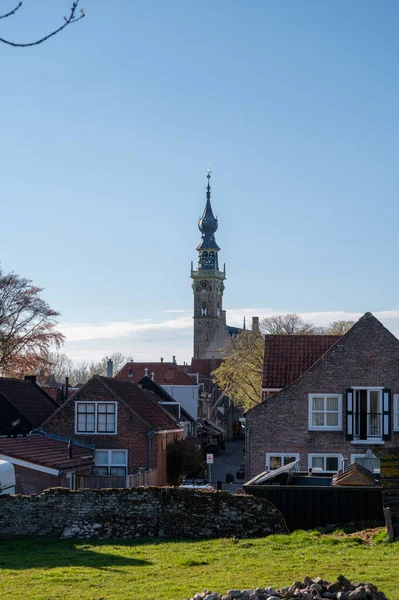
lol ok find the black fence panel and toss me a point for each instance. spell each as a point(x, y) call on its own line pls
point(306, 507)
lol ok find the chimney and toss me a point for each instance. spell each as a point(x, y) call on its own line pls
point(162, 359)
point(66, 388)
point(255, 324)
point(174, 359)
point(110, 368)
point(31, 378)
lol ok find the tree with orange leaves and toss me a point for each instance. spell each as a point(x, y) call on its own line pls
point(28, 327)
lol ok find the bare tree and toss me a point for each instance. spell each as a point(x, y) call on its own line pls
point(60, 366)
point(290, 324)
point(72, 18)
point(28, 327)
point(339, 327)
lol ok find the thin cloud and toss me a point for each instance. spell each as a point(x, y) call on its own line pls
point(147, 339)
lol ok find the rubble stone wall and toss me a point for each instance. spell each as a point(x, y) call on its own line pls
point(137, 512)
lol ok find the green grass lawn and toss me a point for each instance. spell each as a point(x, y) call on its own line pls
point(41, 569)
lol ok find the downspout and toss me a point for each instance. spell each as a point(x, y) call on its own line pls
point(247, 451)
point(149, 435)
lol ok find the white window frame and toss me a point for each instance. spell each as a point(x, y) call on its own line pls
point(110, 463)
point(279, 455)
point(95, 432)
point(325, 427)
point(323, 455)
point(353, 456)
point(396, 412)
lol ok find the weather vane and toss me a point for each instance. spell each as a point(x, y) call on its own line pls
point(209, 171)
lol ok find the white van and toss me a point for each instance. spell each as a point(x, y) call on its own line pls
point(7, 477)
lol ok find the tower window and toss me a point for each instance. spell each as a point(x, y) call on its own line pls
point(203, 310)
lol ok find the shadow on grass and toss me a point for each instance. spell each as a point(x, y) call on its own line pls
point(27, 553)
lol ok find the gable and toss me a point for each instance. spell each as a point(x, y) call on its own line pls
point(367, 355)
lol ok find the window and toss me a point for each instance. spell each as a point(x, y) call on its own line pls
point(367, 413)
point(325, 463)
point(275, 461)
point(325, 411)
point(110, 462)
point(396, 413)
point(96, 417)
point(362, 460)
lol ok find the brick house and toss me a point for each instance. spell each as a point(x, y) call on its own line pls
point(326, 399)
point(127, 426)
point(184, 388)
point(24, 405)
point(42, 462)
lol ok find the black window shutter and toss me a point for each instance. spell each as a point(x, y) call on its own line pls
point(386, 414)
point(349, 414)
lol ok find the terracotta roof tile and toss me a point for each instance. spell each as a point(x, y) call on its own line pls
point(46, 452)
point(164, 373)
point(287, 357)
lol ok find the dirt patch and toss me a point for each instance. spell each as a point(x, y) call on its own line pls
point(366, 535)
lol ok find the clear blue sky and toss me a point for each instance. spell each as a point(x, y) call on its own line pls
point(107, 130)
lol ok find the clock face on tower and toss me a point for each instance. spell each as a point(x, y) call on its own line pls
point(204, 286)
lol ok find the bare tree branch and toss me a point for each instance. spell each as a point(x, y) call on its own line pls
point(68, 21)
point(12, 12)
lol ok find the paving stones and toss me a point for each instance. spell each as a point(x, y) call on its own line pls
point(308, 589)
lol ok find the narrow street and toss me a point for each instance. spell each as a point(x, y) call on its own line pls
point(228, 462)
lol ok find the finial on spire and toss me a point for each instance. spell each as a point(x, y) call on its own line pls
point(208, 187)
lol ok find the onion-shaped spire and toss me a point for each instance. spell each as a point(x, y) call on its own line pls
point(208, 223)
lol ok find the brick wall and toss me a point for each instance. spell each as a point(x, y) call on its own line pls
point(138, 512)
point(368, 355)
point(29, 481)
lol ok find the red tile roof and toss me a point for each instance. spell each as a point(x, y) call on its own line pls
point(287, 357)
point(141, 402)
point(28, 398)
point(46, 452)
point(164, 373)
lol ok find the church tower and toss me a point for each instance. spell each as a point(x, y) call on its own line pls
point(208, 287)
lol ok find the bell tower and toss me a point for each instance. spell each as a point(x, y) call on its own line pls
point(208, 283)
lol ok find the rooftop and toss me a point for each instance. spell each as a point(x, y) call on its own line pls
point(287, 357)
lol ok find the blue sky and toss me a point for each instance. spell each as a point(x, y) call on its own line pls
point(107, 130)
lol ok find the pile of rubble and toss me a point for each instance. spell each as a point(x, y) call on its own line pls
point(308, 589)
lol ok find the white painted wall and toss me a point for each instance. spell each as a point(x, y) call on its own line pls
point(187, 395)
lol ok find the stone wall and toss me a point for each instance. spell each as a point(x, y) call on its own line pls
point(137, 512)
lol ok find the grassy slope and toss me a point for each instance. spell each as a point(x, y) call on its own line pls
point(173, 570)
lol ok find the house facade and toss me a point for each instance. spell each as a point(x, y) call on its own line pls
point(341, 405)
point(127, 427)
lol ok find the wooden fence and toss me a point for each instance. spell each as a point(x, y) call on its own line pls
point(98, 482)
point(305, 507)
point(142, 478)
